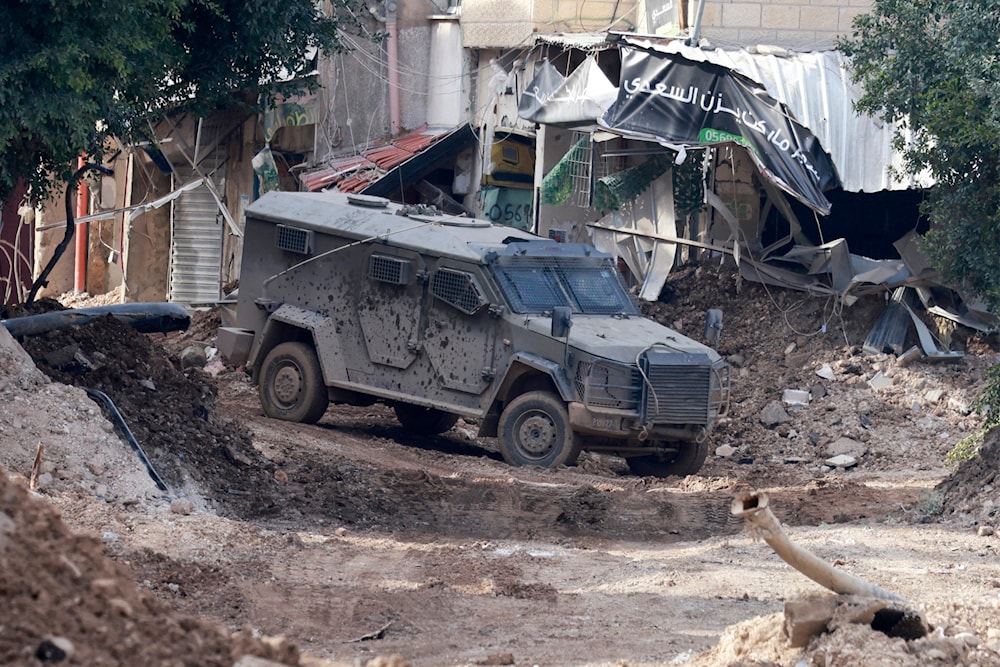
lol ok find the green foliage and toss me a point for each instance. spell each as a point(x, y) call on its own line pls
point(987, 403)
point(689, 185)
point(931, 503)
point(557, 186)
point(932, 66)
point(965, 449)
point(73, 72)
point(614, 191)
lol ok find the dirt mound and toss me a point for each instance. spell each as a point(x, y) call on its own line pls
point(170, 412)
point(63, 600)
point(971, 492)
point(173, 416)
point(762, 642)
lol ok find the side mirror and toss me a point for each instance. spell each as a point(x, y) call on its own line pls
point(713, 326)
point(562, 320)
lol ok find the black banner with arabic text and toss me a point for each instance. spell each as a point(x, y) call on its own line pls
point(670, 99)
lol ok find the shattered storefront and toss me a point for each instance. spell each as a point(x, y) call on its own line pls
point(759, 157)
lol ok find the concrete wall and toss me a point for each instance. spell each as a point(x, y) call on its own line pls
point(50, 229)
point(355, 84)
point(146, 240)
point(801, 25)
point(511, 23)
point(103, 236)
point(795, 24)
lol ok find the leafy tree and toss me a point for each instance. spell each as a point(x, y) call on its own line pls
point(74, 72)
point(933, 67)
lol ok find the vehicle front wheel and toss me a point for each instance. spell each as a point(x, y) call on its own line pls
point(534, 429)
point(291, 384)
point(687, 460)
point(424, 421)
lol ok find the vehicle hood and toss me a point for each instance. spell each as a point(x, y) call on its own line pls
point(622, 338)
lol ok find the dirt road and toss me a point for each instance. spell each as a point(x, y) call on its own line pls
point(357, 540)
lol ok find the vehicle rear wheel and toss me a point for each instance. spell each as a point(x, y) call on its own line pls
point(688, 459)
point(534, 429)
point(291, 384)
point(424, 421)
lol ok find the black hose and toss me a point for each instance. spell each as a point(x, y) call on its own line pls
point(104, 399)
point(42, 279)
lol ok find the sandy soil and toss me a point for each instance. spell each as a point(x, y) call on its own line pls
point(357, 541)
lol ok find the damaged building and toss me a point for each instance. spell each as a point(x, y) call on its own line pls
point(659, 130)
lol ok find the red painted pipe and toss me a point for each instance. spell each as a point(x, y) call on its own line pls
point(82, 236)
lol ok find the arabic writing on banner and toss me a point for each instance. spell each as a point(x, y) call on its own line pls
point(670, 99)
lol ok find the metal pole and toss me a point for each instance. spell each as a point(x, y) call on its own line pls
point(693, 40)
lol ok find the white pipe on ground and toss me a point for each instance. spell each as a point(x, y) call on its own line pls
point(753, 508)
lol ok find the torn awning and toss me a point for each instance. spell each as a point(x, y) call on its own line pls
point(674, 101)
point(579, 99)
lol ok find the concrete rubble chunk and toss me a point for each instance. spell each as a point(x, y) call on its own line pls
point(773, 414)
point(808, 617)
point(880, 381)
point(826, 372)
point(912, 354)
point(181, 506)
point(846, 446)
point(193, 356)
point(842, 461)
point(795, 397)
point(725, 451)
point(254, 661)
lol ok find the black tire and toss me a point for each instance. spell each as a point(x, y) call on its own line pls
point(291, 384)
point(534, 430)
point(424, 421)
point(688, 460)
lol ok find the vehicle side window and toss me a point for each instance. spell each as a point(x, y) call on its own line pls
point(459, 289)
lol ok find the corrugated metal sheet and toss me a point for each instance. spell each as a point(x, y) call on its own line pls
point(819, 92)
point(195, 249)
point(354, 173)
point(196, 234)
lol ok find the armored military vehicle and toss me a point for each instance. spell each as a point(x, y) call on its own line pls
point(353, 299)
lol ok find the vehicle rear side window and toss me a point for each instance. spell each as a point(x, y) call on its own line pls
point(459, 289)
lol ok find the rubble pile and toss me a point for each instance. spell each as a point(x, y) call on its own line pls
point(64, 601)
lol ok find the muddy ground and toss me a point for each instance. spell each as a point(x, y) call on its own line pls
point(355, 539)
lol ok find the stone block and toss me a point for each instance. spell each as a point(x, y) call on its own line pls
point(807, 617)
point(780, 17)
point(741, 15)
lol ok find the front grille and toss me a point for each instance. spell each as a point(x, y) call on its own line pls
point(678, 388)
point(683, 388)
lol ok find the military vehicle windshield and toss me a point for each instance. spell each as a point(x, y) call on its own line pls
point(590, 286)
